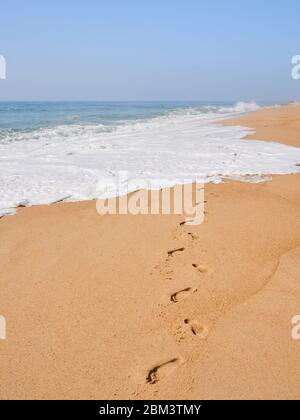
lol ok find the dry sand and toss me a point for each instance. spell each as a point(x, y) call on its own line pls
point(280, 124)
point(89, 307)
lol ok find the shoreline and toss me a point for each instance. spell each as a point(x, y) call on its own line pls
point(276, 124)
point(218, 161)
point(186, 312)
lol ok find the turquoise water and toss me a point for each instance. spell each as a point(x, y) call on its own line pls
point(33, 115)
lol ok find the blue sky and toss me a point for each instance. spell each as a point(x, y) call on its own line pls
point(149, 49)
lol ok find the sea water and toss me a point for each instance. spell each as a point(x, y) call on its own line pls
point(64, 151)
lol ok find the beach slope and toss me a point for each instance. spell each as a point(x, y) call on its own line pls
point(100, 307)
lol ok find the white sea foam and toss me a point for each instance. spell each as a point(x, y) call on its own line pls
point(67, 162)
point(241, 107)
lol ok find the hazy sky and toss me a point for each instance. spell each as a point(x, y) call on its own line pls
point(149, 49)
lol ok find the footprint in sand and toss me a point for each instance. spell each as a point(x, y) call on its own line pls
point(174, 251)
point(182, 294)
point(202, 268)
point(201, 331)
point(193, 236)
point(191, 222)
point(162, 371)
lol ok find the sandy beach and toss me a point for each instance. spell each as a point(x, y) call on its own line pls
point(99, 307)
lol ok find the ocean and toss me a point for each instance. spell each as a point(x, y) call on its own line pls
point(73, 150)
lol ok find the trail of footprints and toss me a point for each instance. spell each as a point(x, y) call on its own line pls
point(163, 370)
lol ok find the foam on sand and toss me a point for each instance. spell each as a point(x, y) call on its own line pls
point(67, 162)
